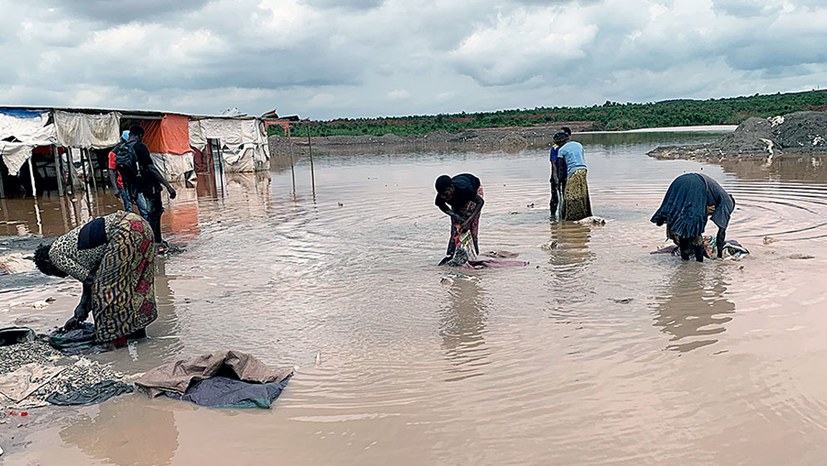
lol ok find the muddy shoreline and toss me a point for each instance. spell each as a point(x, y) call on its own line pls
point(509, 139)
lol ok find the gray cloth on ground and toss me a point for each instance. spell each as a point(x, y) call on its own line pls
point(179, 376)
point(90, 394)
point(225, 392)
point(78, 341)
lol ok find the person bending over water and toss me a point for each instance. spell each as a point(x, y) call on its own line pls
point(461, 198)
point(113, 256)
point(690, 201)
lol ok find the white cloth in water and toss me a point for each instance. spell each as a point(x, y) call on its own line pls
point(593, 220)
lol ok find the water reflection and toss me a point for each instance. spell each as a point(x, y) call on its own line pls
point(462, 328)
point(125, 431)
point(809, 168)
point(570, 251)
point(694, 308)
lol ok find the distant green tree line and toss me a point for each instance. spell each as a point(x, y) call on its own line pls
point(612, 116)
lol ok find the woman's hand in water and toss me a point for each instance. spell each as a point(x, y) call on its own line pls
point(70, 325)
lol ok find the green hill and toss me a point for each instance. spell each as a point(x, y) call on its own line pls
point(612, 116)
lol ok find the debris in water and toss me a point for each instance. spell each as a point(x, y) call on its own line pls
point(319, 358)
point(341, 205)
point(769, 240)
point(501, 254)
point(622, 300)
point(799, 256)
point(549, 246)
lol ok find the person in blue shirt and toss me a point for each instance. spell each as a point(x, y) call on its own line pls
point(558, 170)
point(461, 198)
point(576, 202)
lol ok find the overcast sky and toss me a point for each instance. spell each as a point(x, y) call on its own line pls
point(325, 59)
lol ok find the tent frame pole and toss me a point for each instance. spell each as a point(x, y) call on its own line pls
point(58, 171)
point(31, 176)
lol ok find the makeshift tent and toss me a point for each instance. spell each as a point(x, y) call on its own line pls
point(244, 148)
point(168, 141)
point(20, 131)
point(87, 131)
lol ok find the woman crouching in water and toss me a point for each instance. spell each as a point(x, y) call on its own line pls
point(690, 201)
point(461, 198)
point(113, 256)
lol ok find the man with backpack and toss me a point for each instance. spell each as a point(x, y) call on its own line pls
point(115, 178)
point(143, 181)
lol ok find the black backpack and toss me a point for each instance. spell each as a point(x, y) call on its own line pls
point(126, 160)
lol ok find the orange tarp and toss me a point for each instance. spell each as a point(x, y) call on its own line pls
point(170, 135)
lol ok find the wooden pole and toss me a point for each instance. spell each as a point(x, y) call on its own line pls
point(85, 182)
point(58, 171)
point(221, 166)
point(62, 200)
point(70, 181)
point(92, 171)
point(310, 152)
point(31, 176)
point(39, 219)
point(292, 163)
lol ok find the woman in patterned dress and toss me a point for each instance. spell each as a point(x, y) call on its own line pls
point(461, 198)
point(113, 256)
point(576, 202)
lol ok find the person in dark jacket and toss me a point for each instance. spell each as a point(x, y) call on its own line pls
point(145, 188)
point(691, 200)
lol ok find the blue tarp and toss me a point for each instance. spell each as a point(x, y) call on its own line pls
point(21, 112)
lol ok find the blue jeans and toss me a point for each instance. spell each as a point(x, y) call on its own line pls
point(127, 203)
point(151, 208)
point(143, 206)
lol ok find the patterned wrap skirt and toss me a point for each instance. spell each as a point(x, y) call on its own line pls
point(576, 202)
point(123, 295)
point(453, 242)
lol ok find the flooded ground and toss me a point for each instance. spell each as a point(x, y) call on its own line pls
point(596, 353)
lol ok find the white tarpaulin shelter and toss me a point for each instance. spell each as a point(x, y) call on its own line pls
point(243, 145)
point(87, 131)
point(20, 132)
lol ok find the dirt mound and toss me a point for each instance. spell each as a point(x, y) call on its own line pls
point(802, 131)
point(795, 133)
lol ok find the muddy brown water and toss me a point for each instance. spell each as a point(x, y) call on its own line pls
point(596, 353)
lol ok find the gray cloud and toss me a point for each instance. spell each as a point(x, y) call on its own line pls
point(744, 8)
point(328, 59)
point(116, 12)
point(351, 5)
